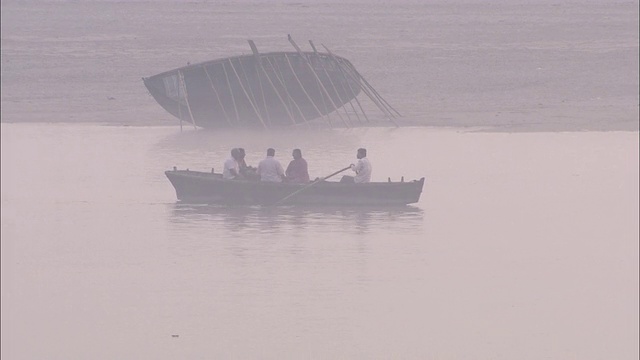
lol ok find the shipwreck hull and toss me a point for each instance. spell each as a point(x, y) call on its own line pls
point(260, 90)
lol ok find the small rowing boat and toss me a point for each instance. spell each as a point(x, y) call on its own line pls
point(211, 188)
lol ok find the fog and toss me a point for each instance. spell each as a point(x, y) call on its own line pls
point(500, 220)
point(509, 65)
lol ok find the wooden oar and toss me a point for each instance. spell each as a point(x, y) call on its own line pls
point(310, 185)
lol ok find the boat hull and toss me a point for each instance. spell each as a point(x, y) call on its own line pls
point(210, 188)
point(263, 90)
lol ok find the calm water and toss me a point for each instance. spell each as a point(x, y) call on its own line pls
point(522, 246)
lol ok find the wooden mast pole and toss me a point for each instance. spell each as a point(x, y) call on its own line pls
point(289, 97)
point(257, 62)
point(313, 47)
point(264, 98)
point(348, 82)
point(380, 106)
point(186, 98)
point(375, 92)
point(250, 90)
point(278, 74)
point(317, 79)
point(324, 103)
point(233, 98)
point(253, 106)
point(335, 89)
point(368, 93)
point(180, 112)
point(224, 111)
point(259, 65)
point(373, 98)
point(179, 104)
point(354, 97)
point(302, 87)
point(382, 100)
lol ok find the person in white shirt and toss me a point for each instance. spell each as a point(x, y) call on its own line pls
point(270, 169)
point(362, 168)
point(231, 167)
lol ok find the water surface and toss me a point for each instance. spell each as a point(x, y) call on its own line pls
point(522, 246)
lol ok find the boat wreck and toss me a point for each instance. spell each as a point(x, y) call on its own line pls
point(267, 90)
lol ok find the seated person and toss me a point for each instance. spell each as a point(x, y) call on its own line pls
point(270, 169)
point(297, 171)
point(249, 172)
point(362, 169)
point(231, 169)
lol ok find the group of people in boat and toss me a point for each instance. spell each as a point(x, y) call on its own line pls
point(270, 169)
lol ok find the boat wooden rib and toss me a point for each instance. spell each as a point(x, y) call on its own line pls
point(211, 188)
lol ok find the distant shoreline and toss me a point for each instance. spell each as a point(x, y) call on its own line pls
point(626, 126)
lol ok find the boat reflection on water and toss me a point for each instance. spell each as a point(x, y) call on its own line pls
point(283, 219)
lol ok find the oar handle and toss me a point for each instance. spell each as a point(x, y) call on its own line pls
point(336, 173)
point(310, 185)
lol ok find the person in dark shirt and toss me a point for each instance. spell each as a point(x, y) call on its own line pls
point(297, 171)
point(249, 172)
point(241, 156)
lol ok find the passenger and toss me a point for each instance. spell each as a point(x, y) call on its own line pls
point(297, 171)
point(241, 155)
point(248, 172)
point(362, 169)
point(231, 167)
point(270, 169)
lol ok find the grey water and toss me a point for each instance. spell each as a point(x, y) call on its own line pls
point(522, 117)
point(508, 64)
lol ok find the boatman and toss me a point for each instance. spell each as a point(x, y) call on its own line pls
point(231, 167)
point(270, 169)
point(362, 169)
point(297, 171)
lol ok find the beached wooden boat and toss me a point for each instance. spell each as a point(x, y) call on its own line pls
point(264, 90)
point(211, 188)
point(238, 91)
